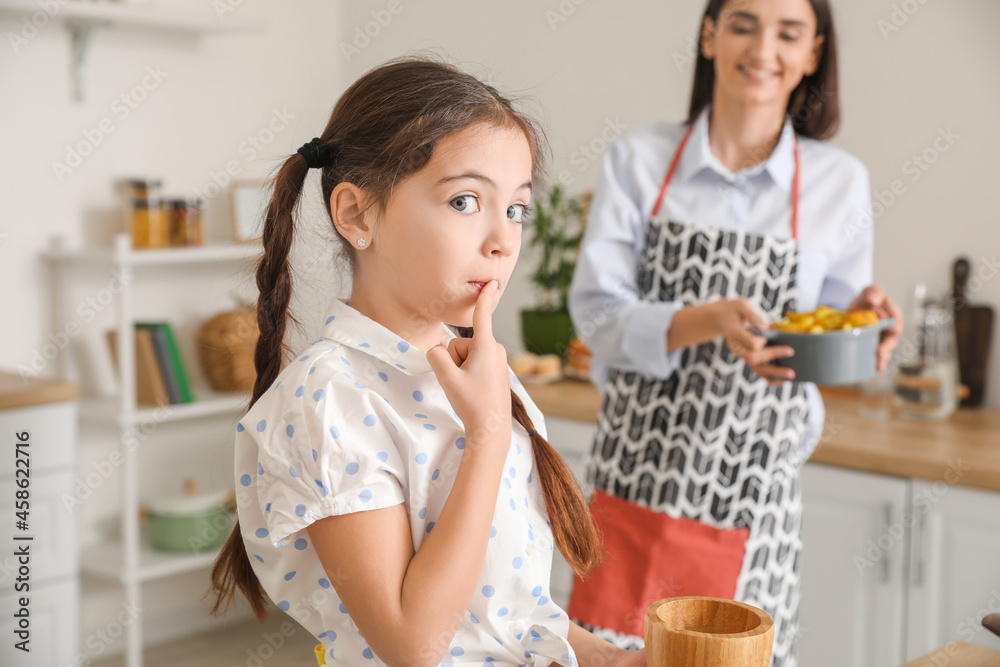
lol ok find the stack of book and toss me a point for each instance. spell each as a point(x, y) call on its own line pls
point(160, 378)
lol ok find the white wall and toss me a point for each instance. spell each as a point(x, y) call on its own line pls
point(608, 64)
point(592, 62)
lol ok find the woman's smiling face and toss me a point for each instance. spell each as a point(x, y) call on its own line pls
point(762, 49)
point(456, 221)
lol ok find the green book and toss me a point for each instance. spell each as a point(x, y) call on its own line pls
point(183, 383)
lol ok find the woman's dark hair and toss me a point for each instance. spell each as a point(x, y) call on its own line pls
point(814, 105)
point(383, 129)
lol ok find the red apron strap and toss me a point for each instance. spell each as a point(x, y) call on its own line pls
point(673, 167)
point(677, 158)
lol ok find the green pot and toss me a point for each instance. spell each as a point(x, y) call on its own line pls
point(188, 524)
point(547, 331)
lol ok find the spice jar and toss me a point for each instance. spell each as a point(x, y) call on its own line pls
point(146, 224)
point(183, 221)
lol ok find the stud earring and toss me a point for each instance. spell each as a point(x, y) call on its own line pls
point(361, 243)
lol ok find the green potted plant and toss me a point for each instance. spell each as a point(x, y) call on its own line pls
point(557, 229)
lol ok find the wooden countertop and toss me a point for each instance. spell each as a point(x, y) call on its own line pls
point(964, 449)
point(959, 654)
point(16, 392)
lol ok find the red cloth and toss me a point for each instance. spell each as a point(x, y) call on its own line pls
point(650, 556)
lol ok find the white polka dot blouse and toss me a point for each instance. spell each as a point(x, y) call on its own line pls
point(359, 422)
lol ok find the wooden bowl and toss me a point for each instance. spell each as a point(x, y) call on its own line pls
point(699, 631)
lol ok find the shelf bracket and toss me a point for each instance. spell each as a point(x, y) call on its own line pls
point(80, 36)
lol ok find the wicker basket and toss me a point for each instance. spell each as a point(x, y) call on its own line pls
point(226, 344)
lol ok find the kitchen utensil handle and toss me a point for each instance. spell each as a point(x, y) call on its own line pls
point(885, 529)
point(960, 278)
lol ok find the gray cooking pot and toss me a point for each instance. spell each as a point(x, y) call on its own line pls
point(831, 357)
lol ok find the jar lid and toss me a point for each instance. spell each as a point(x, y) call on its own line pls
point(187, 505)
point(182, 202)
point(140, 182)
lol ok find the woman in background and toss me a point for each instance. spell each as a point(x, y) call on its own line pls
point(697, 232)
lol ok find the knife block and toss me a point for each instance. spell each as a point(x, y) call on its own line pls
point(699, 631)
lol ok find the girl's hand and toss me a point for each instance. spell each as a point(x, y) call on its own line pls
point(874, 297)
point(631, 658)
point(473, 371)
point(734, 317)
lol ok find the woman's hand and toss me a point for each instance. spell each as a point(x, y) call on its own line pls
point(734, 317)
point(473, 371)
point(874, 297)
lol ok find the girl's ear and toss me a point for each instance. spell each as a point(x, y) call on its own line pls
point(817, 52)
point(708, 38)
point(350, 214)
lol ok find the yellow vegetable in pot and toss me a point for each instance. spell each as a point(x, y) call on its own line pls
point(825, 318)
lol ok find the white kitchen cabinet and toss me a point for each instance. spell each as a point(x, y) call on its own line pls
point(853, 573)
point(954, 577)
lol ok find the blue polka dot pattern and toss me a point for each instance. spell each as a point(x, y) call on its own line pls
point(388, 421)
point(284, 606)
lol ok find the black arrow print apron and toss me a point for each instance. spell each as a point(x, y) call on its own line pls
point(696, 477)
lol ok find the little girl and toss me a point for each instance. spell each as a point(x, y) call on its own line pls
point(387, 500)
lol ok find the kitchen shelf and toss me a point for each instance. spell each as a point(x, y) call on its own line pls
point(129, 560)
point(106, 560)
point(125, 255)
point(105, 410)
point(80, 18)
point(147, 16)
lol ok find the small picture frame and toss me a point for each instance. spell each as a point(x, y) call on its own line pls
point(249, 201)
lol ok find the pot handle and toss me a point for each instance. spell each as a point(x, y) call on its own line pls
point(886, 323)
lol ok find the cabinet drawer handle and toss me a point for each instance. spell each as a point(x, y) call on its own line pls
point(918, 541)
point(885, 529)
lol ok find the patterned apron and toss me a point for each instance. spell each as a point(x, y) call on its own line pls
point(696, 477)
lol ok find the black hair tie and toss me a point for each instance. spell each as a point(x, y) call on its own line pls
point(533, 432)
point(316, 153)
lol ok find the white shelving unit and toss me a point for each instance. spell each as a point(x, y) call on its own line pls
point(81, 18)
point(132, 561)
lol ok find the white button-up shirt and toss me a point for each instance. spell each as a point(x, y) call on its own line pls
point(359, 422)
point(834, 233)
